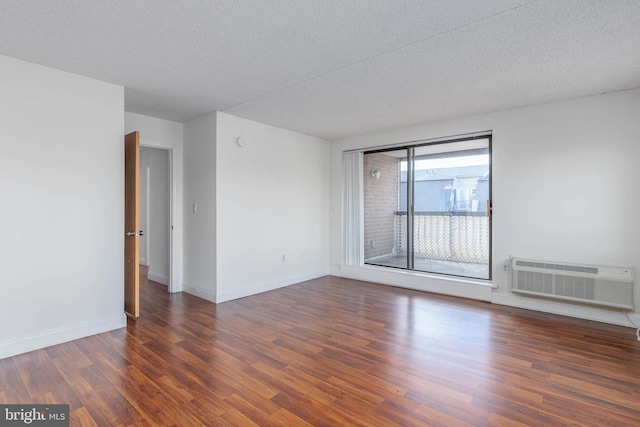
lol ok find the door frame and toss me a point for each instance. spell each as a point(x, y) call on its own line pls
point(172, 287)
point(146, 171)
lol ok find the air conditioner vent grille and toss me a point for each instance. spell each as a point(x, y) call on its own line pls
point(556, 284)
point(561, 267)
point(603, 286)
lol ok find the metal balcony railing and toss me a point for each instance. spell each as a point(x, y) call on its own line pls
point(447, 236)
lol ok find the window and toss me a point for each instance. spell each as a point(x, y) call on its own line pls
point(463, 199)
point(425, 207)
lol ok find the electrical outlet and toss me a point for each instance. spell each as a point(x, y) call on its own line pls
point(284, 257)
point(505, 268)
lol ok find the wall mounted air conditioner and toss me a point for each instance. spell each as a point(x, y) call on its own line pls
point(603, 286)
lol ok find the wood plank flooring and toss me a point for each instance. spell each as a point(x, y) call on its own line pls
point(334, 352)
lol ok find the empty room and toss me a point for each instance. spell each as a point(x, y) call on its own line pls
point(358, 213)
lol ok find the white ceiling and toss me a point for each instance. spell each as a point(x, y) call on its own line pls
point(333, 68)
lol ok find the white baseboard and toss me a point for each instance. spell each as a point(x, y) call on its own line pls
point(270, 286)
point(199, 292)
point(60, 335)
point(458, 287)
point(635, 319)
point(143, 261)
point(572, 310)
point(160, 278)
point(175, 287)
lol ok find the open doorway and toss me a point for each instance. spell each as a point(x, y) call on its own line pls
point(156, 213)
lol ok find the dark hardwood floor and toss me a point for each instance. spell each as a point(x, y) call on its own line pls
point(336, 352)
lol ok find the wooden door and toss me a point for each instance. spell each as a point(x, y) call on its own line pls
point(131, 223)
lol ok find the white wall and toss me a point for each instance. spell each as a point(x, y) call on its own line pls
point(200, 188)
point(61, 192)
point(565, 187)
point(157, 230)
point(168, 135)
point(272, 198)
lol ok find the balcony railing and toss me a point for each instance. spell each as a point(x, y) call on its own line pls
point(447, 236)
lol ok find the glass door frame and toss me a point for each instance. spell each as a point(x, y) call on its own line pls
point(410, 191)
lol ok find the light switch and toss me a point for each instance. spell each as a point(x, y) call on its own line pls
point(195, 208)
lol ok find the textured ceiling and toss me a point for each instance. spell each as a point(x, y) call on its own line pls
point(333, 68)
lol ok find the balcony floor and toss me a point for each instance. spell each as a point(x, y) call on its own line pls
point(453, 268)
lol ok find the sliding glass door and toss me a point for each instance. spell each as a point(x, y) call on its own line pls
point(427, 207)
point(383, 229)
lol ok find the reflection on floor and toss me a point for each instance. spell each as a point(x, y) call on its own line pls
point(464, 269)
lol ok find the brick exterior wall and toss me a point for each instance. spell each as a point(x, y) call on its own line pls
point(380, 203)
